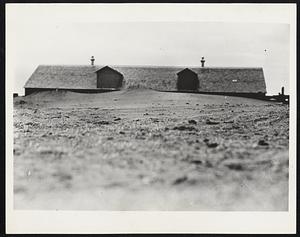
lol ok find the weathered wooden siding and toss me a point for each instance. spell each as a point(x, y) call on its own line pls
point(29, 91)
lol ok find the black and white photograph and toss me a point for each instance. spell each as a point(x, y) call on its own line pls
point(137, 113)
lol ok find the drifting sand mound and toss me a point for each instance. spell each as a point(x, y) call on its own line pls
point(141, 149)
point(132, 98)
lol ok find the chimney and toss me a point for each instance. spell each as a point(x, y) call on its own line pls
point(92, 60)
point(282, 90)
point(202, 62)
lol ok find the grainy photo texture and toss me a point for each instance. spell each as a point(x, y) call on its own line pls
point(165, 116)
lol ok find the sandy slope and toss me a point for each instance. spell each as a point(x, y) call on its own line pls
point(149, 150)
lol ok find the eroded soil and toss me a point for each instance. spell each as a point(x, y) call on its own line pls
point(147, 150)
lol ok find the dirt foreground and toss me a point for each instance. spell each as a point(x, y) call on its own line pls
point(149, 150)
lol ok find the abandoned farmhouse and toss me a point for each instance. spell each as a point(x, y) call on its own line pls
point(92, 78)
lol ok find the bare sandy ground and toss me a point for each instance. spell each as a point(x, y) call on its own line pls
point(149, 150)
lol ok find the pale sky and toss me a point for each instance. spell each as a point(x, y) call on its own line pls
point(45, 35)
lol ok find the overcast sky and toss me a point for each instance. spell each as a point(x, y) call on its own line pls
point(40, 35)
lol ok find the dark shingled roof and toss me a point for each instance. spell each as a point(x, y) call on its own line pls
point(186, 70)
point(231, 79)
point(108, 68)
point(211, 79)
point(60, 76)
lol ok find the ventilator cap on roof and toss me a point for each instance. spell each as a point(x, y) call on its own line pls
point(202, 62)
point(92, 60)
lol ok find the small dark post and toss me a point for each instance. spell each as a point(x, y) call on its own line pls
point(92, 60)
point(202, 62)
point(282, 90)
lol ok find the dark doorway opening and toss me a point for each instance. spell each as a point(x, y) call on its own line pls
point(109, 78)
point(187, 80)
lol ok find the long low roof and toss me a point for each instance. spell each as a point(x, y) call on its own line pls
point(211, 79)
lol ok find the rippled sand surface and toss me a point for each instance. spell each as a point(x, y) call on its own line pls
point(149, 150)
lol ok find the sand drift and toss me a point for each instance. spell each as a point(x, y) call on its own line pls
point(149, 150)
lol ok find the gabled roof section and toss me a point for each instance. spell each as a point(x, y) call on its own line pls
point(186, 70)
point(61, 76)
point(211, 79)
point(107, 68)
point(239, 80)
